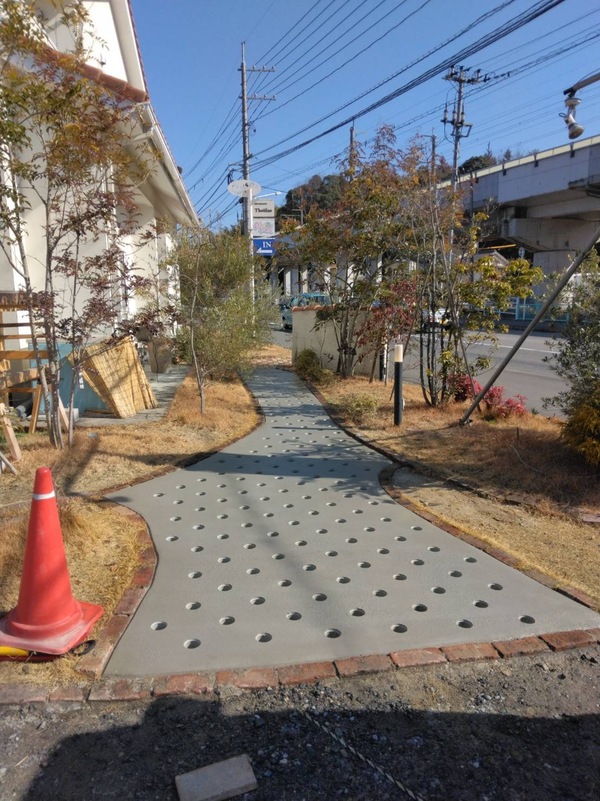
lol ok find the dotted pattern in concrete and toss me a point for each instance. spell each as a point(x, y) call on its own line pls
point(284, 549)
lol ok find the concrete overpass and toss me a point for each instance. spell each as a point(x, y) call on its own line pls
point(548, 203)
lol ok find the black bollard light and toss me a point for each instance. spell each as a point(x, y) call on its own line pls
point(398, 359)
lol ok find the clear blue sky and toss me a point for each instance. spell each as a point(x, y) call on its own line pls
point(328, 55)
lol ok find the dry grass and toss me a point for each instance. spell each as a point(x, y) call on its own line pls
point(522, 456)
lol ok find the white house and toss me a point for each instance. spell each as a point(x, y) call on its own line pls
point(161, 200)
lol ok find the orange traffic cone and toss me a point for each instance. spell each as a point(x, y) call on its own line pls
point(46, 618)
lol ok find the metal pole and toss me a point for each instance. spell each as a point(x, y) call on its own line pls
point(559, 287)
point(398, 359)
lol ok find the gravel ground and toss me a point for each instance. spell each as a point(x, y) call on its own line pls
point(523, 729)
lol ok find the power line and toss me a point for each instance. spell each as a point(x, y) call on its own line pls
point(518, 22)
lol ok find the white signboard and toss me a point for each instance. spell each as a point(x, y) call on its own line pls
point(263, 229)
point(243, 188)
point(262, 209)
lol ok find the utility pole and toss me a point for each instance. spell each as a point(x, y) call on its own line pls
point(246, 155)
point(460, 76)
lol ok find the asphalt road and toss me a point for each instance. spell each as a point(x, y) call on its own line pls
point(526, 374)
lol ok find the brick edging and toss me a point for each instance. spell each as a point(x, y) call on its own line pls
point(149, 687)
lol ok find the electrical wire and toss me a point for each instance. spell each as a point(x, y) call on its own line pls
point(525, 18)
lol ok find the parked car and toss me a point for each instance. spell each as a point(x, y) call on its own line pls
point(304, 299)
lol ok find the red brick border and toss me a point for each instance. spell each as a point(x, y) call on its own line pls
point(146, 687)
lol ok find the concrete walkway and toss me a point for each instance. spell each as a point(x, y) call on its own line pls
point(284, 549)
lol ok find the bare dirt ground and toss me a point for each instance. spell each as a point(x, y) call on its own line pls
point(520, 729)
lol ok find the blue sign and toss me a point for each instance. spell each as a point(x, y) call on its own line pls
point(264, 247)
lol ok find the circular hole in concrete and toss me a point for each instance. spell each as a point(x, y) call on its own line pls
point(194, 574)
point(257, 601)
point(417, 562)
point(333, 633)
point(455, 573)
point(300, 543)
point(309, 568)
point(293, 615)
point(357, 612)
point(341, 520)
point(320, 596)
point(351, 540)
point(481, 604)
point(197, 549)
point(420, 608)
point(470, 559)
point(323, 489)
point(246, 525)
point(399, 576)
point(386, 519)
point(400, 539)
point(433, 549)
point(222, 560)
point(191, 644)
point(240, 478)
point(357, 511)
point(373, 503)
point(369, 529)
point(265, 498)
point(331, 503)
point(200, 480)
point(272, 533)
point(306, 497)
point(313, 512)
point(464, 624)
point(331, 553)
point(244, 508)
point(249, 546)
point(399, 628)
point(294, 523)
point(200, 493)
point(263, 637)
point(380, 593)
point(348, 495)
point(527, 619)
point(343, 580)
point(417, 528)
point(159, 625)
point(158, 494)
point(321, 531)
point(262, 484)
point(495, 586)
point(174, 519)
point(198, 527)
point(224, 587)
point(227, 621)
point(383, 551)
point(171, 539)
point(283, 491)
point(242, 492)
point(178, 502)
point(278, 556)
point(438, 590)
point(364, 564)
point(222, 536)
point(252, 571)
point(222, 517)
point(193, 605)
point(285, 583)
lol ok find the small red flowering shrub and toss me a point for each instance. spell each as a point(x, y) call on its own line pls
point(495, 405)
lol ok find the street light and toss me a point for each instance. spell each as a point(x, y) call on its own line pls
point(571, 102)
